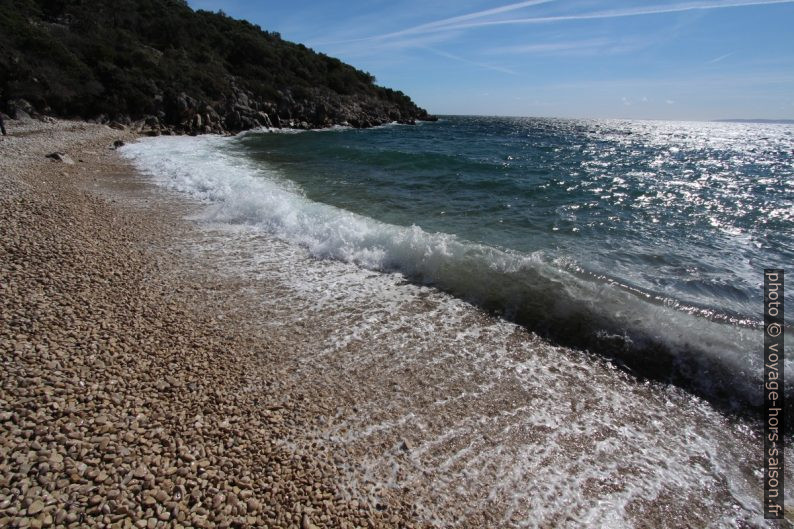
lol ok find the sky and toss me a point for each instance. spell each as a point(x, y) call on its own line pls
point(641, 59)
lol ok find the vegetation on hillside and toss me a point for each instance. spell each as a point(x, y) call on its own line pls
point(137, 58)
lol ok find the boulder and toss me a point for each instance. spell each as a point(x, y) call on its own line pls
point(248, 123)
point(264, 119)
point(233, 120)
point(20, 109)
point(243, 100)
point(183, 103)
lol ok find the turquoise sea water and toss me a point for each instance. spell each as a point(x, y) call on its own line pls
point(643, 243)
point(687, 213)
point(641, 240)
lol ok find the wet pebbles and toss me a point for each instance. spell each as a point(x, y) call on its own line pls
point(122, 396)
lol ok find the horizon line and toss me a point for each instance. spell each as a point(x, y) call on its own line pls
point(779, 121)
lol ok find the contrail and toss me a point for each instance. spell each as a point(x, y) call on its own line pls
point(613, 14)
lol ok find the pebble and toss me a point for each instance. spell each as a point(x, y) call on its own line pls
point(35, 507)
point(120, 390)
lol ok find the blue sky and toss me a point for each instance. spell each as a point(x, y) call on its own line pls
point(656, 59)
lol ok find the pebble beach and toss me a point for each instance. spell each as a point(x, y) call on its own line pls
point(166, 362)
point(133, 392)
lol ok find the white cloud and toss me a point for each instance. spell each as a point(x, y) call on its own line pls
point(599, 46)
point(548, 47)
point(467, 61)
point(618, 13)
point(721, 57)
point(468, 20)
point(435, 32)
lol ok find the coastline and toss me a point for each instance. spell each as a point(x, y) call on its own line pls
point(127, 400)
point(222, 365)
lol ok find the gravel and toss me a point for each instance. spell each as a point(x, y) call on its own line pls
point(120, 387)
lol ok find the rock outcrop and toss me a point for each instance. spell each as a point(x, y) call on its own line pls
point(162, 68)
point(242, 110)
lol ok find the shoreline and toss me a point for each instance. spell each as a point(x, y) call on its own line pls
point(236, 366)
point(627, 322)
point(121, 385)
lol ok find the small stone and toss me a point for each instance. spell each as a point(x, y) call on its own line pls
point(35, 507)
point(61, 157)
point(306, 523)
point(217, 500)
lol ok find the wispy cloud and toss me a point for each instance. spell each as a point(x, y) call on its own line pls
point(686, 83)
point(444, 24)
point(481, 18)
point(433, 33)
point(721, 57)
point(619, 13)
point(468, 20)
point(548, 47)
point(467, 61)
point(390, 49)
point(598, 46)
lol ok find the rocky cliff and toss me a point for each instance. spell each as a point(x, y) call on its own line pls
point(166, 69)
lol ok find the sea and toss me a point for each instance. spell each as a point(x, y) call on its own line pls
point(534, 322)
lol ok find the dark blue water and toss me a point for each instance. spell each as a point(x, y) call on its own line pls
point(686, 213)
point(644, 241)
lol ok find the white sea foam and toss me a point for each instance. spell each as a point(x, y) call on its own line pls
point(285, 130)
point(496, 421)
point(502, 428)
point(239, 190)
